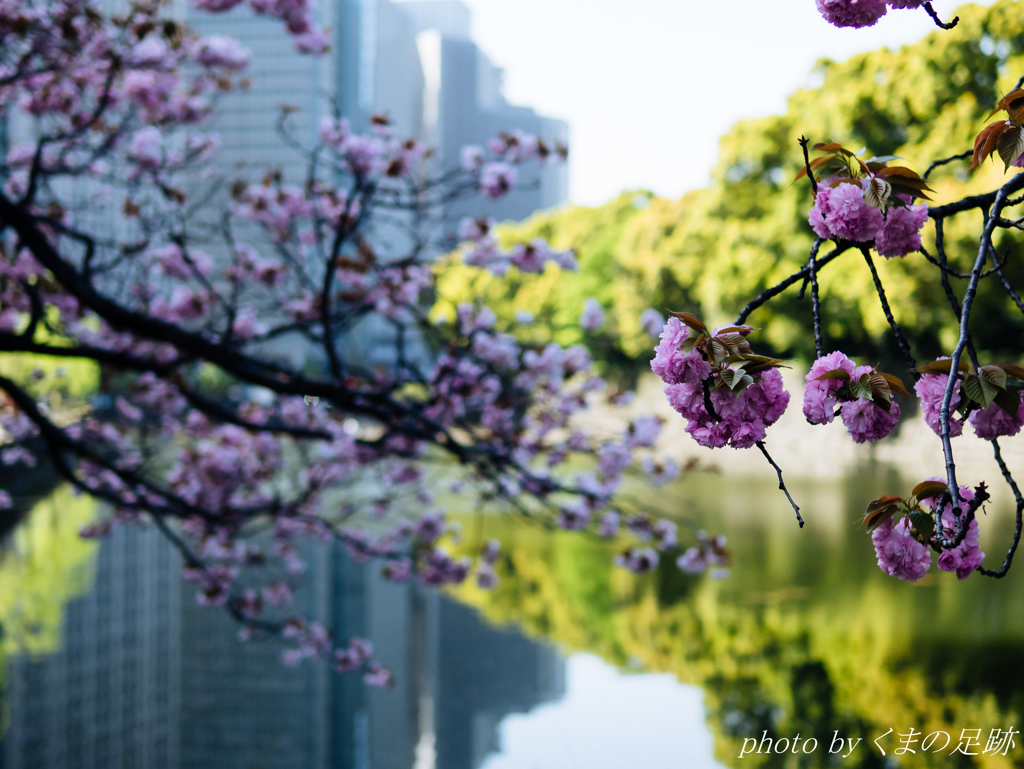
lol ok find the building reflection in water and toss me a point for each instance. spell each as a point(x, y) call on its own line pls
point(146, 679)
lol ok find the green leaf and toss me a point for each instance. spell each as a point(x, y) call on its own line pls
point(690, 342)
point(1008, 401)
point(1010, 146)
point(877, 193)
point(923, 523)
point(861, 388)
point(732, 376)
point(979, 389)
point(995, 375)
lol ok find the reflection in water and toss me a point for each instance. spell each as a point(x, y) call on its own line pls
point(806, 637)
point(145, 678)
point(610, 720)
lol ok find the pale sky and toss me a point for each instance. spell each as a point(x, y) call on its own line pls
point(647, 85)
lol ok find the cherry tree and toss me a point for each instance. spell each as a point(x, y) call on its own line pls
point(122, 243)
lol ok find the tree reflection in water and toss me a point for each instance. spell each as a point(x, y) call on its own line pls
point(806, 637)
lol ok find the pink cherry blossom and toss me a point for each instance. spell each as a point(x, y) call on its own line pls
point(819, 394)
point(899, 554)
point(852, 13)
point(901, 233)
point(994, 422)
point(841, 212)
point(651, 322)
point(498, 179)
point(930, 388)
point(592, 318)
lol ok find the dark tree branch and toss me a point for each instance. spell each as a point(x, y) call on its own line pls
point(944, 161)
point(778, 288)
point(938, 22)
point(965, 317)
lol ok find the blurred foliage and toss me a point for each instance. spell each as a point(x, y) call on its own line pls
point(45, 375)
point(43, 565)
point(715, 249)
point(807, 636)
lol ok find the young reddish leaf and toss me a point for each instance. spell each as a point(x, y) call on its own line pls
point(908, 173)
point(831, 147)
point(843, 376)
point(1006, 103)
point(905, 189)
point(909, 179)
point(843, 180)
point(941, 367)
point(879, 387)
point(758, 363)
point(985, 143)
point(1013, 370)
point(815, 165)
point(895, 384)
point(929, 489)
point(741, 330)
point(883, 502)
point(717, 350)
point(881, 510)
point(692, 321)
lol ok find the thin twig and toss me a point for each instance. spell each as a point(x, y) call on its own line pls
point(1018, 516)
point(782, 483)
point(904, 347)
point(944, 161)
point(807, 164)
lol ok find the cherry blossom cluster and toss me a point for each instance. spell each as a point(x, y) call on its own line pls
point(297, 15)
point(483, 250)
point(709, 554)
point(655, 538)
point(498, 174)
point(727, 395)
point(862, 395)
point(902, 531)
point(988, 398)
point(860, 13)
point(866, 202)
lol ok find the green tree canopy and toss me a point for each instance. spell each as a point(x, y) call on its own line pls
point(714, 249)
